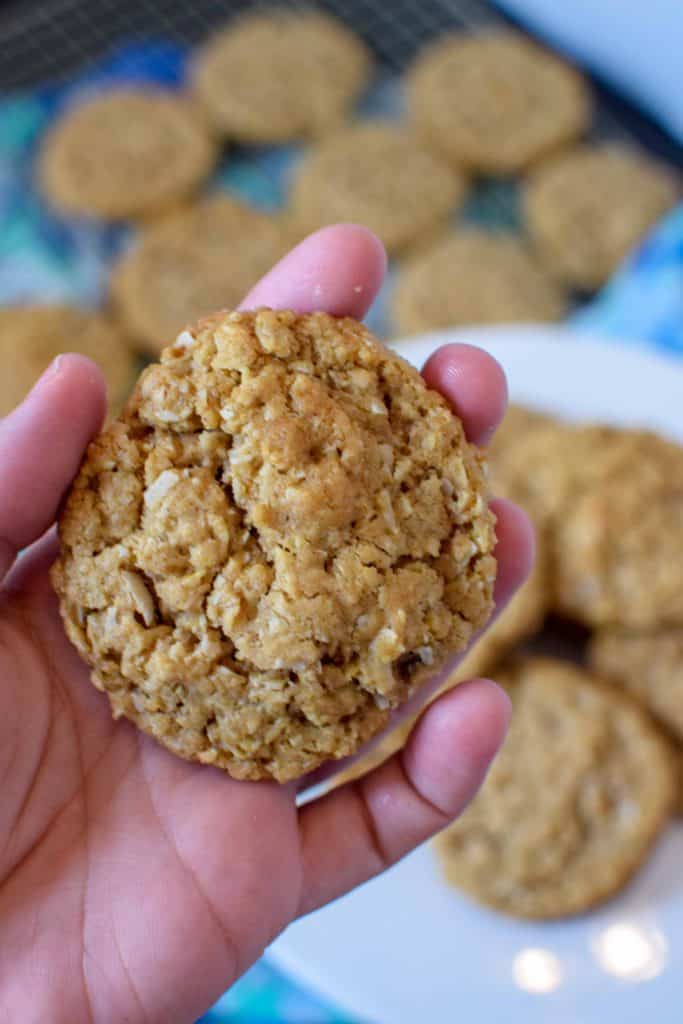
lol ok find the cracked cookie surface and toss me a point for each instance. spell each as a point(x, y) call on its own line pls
point(282, 535)
point(572, 804)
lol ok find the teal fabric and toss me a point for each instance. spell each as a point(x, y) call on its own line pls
point(44, 258)
point(265, 996)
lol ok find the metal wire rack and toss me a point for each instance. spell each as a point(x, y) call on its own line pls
point(53, 40)
point(49, 40)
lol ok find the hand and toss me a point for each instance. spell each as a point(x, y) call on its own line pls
point(137, 887)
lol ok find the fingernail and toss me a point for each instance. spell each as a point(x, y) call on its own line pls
point(54, 368)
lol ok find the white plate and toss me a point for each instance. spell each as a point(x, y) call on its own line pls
point(405, 947)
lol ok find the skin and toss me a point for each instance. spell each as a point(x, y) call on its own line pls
point(133, 886)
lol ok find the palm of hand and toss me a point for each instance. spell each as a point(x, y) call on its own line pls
point(115, 855)
point(134, 886)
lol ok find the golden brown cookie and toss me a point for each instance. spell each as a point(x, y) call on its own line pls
point(679, 782)
point(586, 209)
point(544, 463)
point(649, 665)
point(280, 75)
point(126, 153)
point(618, 554)
point(522, 618)
point(377, 174)
point(575, 799)
point(494, 102)
point(32, 336)
point(473, 277)
point(199, 259)
point(529, 459)
point(611, 502)
point(285, 532)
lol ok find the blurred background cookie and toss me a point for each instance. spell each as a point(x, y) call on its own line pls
point(377, 174)
point(125, 153)
point(647, 664)
point(197, 260)
point(280, 75)
point(32, 336)
point(582, 787)
point(473, 277)
point(494, 102)
point(618, 554)
point(587, 208)
point(529, 462)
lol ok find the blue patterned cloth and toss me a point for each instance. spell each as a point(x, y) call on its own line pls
point(644, 300)
point(44, 258)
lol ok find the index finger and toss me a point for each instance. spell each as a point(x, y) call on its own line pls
point(336, 270)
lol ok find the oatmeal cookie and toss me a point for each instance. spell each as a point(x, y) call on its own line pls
point(618, 554)
point(285, 532)
point(375, 173)
point(544, 463)
point(611, 502)
point(529, 460)
point(32, 336)
point(126, 153)
point(494, 102)
point(522, 618)
point(473, 277)
point(202, 258)
point(649, 665)
point(280, 75)
point(586, 209)
point(575, 799)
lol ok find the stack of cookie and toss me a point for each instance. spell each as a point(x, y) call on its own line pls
point(591, 770)
point(479, 106)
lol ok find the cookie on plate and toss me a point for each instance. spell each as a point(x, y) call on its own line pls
point(649, 665)
point(282, 536)
point(494, 102)
point(125, 153)
point(377, 174)
point(572, 804)
point(618, 554)
point(473, 277)
point(197, 260)
point(32, 336)
point(521, 620)
point(544, 463)
point(529, 459)
point(586, 209)
point(280, 75)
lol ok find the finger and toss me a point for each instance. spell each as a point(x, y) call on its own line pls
point(515, 550)
point(41, 446)
point(339, 270)
point(355, 832)
point(515, 555)
point(473, 383)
